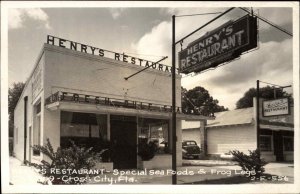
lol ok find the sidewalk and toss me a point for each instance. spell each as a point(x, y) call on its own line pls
point(20, 174)
point(281, 169)
point(207, 162)
point(196, 172)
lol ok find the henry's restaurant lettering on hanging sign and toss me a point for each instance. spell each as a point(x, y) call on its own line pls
point(223, 44)
point(64, 43)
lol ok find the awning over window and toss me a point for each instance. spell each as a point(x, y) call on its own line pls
point(276, 126)
point(99, 108)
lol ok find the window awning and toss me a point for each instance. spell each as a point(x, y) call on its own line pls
point(276, 126)
point(99, 108)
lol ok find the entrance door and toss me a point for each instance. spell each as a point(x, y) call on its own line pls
point(124, 141)
point(278, 145)
point(30, 143)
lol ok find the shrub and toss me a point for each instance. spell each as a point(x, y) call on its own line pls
point(99, 145)
point(147, 150)
point(74, 158)
point(105, 155)
point(251, 162)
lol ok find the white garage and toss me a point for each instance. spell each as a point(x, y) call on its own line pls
point(231, 130)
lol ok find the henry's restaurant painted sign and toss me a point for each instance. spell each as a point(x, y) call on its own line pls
point(223, 44)
point(276, 107)
point(64, 43)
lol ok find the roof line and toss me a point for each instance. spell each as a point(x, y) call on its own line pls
point(212, 126)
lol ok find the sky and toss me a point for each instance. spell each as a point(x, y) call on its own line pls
point(145, 32)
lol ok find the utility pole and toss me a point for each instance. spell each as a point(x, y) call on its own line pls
point(257, 115)
point(174, 137)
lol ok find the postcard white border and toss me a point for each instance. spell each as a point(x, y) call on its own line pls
point(261, 188)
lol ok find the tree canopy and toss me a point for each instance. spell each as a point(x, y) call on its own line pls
point(265, 92)
point(14, 94)
point(198, 101)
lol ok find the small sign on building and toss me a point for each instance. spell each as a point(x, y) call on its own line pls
point(276, 107)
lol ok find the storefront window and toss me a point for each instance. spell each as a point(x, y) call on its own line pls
point(154, 131)
point(266, 143)
point(288, 143)
point(84, 129)
point(37, 128)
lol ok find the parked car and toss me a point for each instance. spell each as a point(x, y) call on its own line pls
point(190, 149)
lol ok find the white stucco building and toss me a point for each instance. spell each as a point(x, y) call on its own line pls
point(76, 92)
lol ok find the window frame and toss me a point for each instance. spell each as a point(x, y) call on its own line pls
point(37, 126)
point(271, 142)
point(145, 130)
point(283, 140)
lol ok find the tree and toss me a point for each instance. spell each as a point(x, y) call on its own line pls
point(265, 92)
point(14, 94)
point(198, 101)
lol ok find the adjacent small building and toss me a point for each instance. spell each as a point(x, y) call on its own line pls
point(231, 130)
point(237, 130)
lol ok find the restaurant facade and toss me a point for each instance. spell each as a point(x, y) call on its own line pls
point(76, 92)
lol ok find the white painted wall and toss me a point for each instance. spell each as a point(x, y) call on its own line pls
point(52, 127)
point(19, 123)
point(19, 112)
point(222, 140)
point(73, 71)
point(191, 131)
point(191, 134)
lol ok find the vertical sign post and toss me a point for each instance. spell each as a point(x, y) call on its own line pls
point(257, 115)
point(174, 137)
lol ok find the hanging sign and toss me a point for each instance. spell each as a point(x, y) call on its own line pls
point(223, 44)
point(276, 107)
